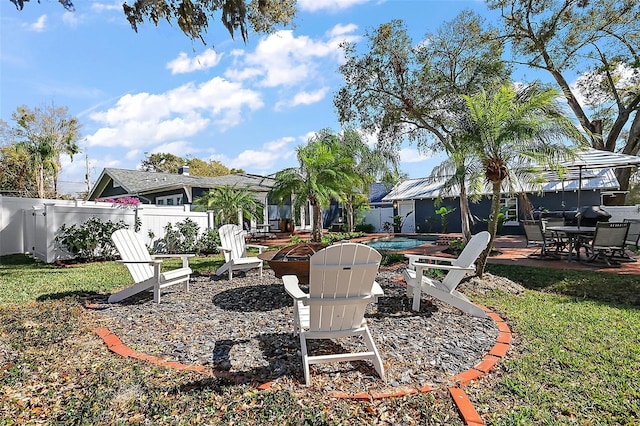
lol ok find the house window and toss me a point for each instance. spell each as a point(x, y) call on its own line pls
point(509, 205)
point(171, 200)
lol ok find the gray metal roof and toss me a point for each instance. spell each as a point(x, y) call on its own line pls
point(430, 188)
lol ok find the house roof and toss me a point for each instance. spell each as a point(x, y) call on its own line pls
point(430, 188)
point(141, 182)
point(377, 191)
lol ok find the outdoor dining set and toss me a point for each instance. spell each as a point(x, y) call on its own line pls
point(600, 241)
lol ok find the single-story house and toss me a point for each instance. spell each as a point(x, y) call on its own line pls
point(173, 189)
point(170, 188)
point(414, 200)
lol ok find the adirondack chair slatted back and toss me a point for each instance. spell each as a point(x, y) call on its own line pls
point(471, 251)
point(341, 279)
point(132, 248)
point(610, 235)
point(232, 238)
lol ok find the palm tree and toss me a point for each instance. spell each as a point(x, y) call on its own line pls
point(461, 174)
point(369, 164)
point(509, 130)
point(323, 174)
point(227, 201)
point(46, 134)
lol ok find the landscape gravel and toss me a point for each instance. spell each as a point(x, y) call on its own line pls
point(244, 329)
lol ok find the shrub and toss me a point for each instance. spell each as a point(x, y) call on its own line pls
point(89, 241)
point(367, 228)
point(332, 237)
point(208, 242)
point(182, 238)
point(456, 246)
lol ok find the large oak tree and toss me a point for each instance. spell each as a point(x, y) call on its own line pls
point(596, 38)
point(194, 16)
point(401, 90)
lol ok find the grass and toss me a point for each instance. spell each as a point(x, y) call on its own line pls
point(575, 360)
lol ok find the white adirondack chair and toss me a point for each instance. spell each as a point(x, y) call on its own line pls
point(445, 290)
point(234, 247)
point(144, 268)
point(341, 285)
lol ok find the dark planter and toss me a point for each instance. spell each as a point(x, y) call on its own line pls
point(292, 260)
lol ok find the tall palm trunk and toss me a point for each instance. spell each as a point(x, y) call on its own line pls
point(349, 207)
point(316, 234)
point(493, 228)
point(464, 213)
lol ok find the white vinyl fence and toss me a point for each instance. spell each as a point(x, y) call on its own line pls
point(378, 216)
point(29, 225)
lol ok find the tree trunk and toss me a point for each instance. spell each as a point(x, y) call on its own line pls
point(493, 228)
point(316, 234)
point(464, 213)
point(349, 206)
point(40, 181)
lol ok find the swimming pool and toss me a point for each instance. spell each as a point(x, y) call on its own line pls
point(401, 242)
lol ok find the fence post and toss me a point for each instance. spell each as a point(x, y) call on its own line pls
point(50, 231)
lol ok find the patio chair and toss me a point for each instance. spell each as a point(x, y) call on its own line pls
point(234, 247)
point(536, 236)
point(633, 236)
point(445, 289)
point(341, 285)
point(609, 241)
point(144, 268)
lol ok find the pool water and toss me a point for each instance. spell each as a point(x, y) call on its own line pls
point(400, 242)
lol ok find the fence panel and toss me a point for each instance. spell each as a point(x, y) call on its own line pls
point(155, 219)
point(30, 225)
point(378, 216)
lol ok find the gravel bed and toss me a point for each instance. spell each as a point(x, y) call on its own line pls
point(244, 328)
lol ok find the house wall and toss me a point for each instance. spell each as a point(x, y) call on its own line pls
point(428, 221)
point(111, 191)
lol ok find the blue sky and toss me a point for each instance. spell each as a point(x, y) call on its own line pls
point(247, 106)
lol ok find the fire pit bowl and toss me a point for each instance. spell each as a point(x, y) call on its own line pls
point(292, 260)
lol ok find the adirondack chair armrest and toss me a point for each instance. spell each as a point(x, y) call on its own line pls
point(223, 249)
point(257, 246)
point(376, 290)
point(149, 262)
point(416, 258)
point(184, 256)
point(421, 266)
point(291, 286)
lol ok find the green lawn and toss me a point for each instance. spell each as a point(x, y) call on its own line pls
point(575, 359)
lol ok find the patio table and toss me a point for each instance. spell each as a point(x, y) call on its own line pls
point(573, 234)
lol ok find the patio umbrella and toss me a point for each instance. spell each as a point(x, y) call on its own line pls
point(592, 159)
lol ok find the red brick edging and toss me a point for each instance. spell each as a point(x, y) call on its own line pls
point(468, 413)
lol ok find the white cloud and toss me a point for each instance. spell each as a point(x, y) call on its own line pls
point(183, 64)
point(179, 148)
point(412, 155)
point(101, 7)
point(264, 160)
point(282, 59)
point(340, 30)
point(305, 98)
point(147, 119)
point(330, 5)
point(133, 154)
point(39, 25)
point(71, 19)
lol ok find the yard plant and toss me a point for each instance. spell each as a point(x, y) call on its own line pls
point(574, 359)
